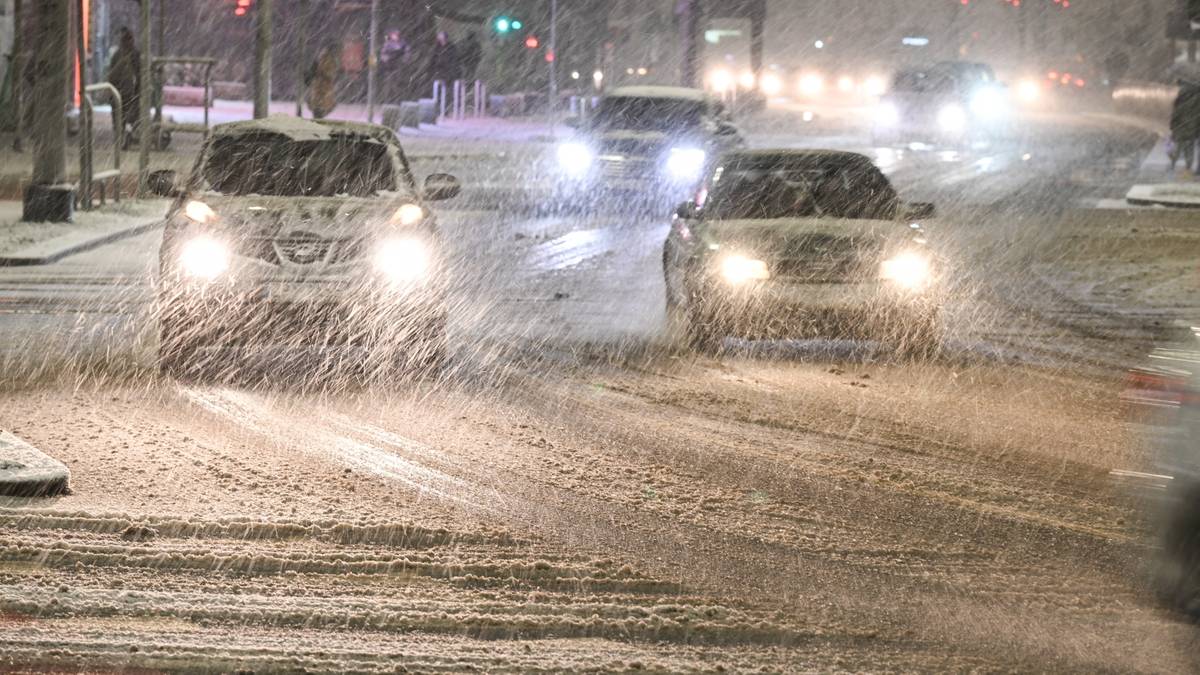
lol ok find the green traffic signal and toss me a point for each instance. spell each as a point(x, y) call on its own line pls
point(516, 24)
point(503, 24)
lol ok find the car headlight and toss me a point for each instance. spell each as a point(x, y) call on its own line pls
point(199, 212)
point(574, 158)
point(989, 103)
point(402, 260)
point(909, 270)
point(887, 114)
point(204, 257)
point(408, 214)
point(812, 84)
point(952, 118)
point(770, 84)
point(875, 85)
point(685, 163)
point(738, 269)
point(1029, 90)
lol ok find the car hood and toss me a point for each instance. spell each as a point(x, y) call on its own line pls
point(643, 142)
point(788, 237)
point(330, 217)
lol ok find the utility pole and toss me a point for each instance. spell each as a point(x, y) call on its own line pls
point(301, 57)
point(552, 104)
point(47, 198)
point(372, 60)
point(262, 59)
point(143, 112)
point(689, 17)
point(18, 77)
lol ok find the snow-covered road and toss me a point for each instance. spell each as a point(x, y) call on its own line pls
point(581, 494)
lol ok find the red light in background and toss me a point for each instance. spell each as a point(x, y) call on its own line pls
point(549, 56)
point(240, 11)
point(532, 42)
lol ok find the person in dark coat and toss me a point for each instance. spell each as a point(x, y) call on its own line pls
point(444, 64)
point(1185, 125)
point(470, 53)
point(124, 73)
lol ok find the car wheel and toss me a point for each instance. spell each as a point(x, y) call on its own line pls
point(1178, 574)
point(921, 339)
point(176, 348)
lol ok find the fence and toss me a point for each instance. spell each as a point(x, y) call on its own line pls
point(87, 150)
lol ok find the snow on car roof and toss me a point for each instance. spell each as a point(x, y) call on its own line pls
point(648, 91)
point(301, 129)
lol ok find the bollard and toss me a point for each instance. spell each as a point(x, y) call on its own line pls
point(480, 98)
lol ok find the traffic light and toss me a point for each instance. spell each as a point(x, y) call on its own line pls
point(242, 7)
point(504, 24)
point(532, 42)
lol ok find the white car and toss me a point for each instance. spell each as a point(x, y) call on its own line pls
point(787, 243)
point(302, 233)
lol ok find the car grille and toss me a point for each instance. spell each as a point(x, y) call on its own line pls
point(826, 259)
point(301, 250)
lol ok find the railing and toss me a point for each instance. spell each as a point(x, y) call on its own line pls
point(87, 149)
point(458, 98)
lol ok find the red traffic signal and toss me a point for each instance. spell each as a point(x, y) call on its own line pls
point(243, 6)
point(532, 42)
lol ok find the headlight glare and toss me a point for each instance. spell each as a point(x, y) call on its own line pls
point(408, 214)
point(203, 257)
point(887, 114)
point(402, 259)
point(909, 270)
point(685, 163)
point(952, 118)
point(738, 269)
point(199, 212)
point(574, 158)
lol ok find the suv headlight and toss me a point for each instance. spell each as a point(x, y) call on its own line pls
point(204, 257)
point(685, 163)
point(952, 118)
point(909, 270)
point(738, 269)
point(402, 260)
point(199, 212)
point(575, 158)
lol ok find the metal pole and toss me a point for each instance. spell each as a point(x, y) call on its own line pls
point(85, 112)
point(18, 77)
point(373, 61)
point(143, 112)
point(553, 53)
point(301, 57)
point(262, 60)
point(50, 92)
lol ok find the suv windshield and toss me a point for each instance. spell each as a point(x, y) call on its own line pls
point(647, 114)
point(272, 164)
point(923, 82)
point(801, 190)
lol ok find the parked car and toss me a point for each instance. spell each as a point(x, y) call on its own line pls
point(782, 243)
point(302, 233)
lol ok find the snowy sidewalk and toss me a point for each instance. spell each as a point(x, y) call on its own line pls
point(1160, 186)
point(25, 471)
point(23, 243)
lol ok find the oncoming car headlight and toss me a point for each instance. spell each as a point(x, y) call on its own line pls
point(574, 158)
point(952, 118)
point(989, 103)
point(199, 212)
point(909, 270)
point(685, 163)
point(204, 257)
point(402, 259)
point(738, 269)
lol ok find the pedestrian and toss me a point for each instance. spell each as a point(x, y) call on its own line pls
point(444, 64)
point(124, 73)
point(393, 56)
point(470, 53)
point(321, 82)
point(1185, 125)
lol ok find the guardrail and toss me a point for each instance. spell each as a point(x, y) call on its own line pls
point(87, 147)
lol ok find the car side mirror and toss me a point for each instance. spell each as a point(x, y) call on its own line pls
point(440, 186)
point(686, 211)
point(918, 210)
point(162, 183)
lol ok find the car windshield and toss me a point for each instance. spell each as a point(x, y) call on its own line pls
point(923, 82)
point(801, 190)
point(637, 113)
point(273, 164)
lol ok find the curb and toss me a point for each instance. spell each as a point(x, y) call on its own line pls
point(80, 247)
point(1154, 195)
point(26, 471)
